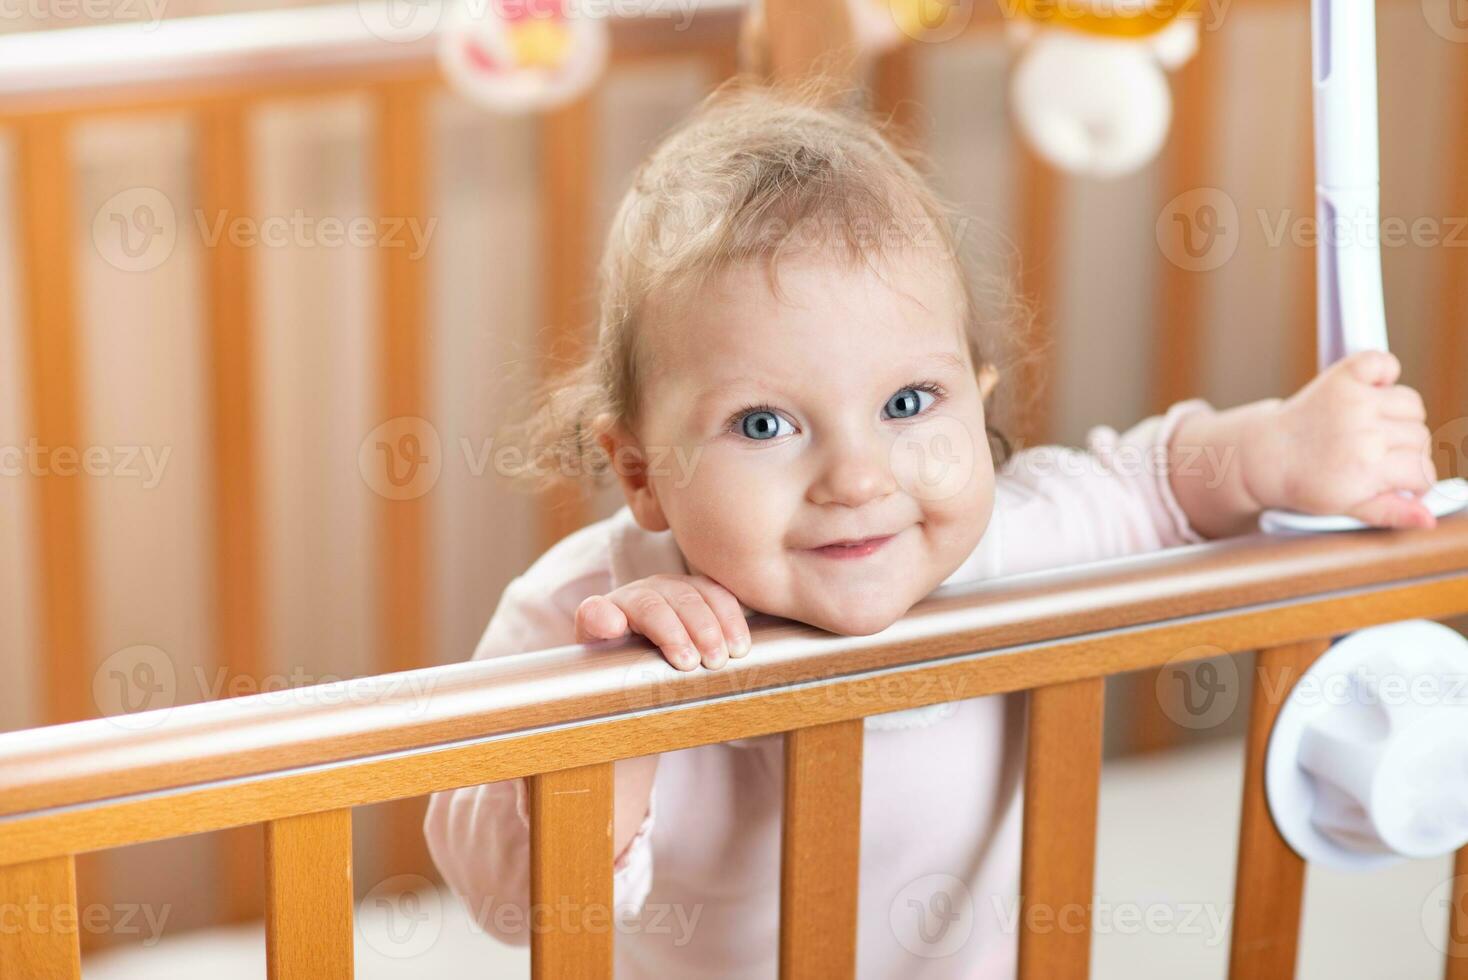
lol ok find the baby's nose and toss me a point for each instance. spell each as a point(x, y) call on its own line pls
point(854, 476)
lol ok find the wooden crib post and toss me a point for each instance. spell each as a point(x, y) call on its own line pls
point(308, 896)
point(820, 850)
point(571, 928)
point(1270, 880)
point(39, 929)
point(1058, 866)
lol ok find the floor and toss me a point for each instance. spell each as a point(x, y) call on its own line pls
point(1165, 877)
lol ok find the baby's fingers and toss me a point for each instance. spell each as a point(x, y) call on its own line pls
point(699, 620)
point(1409, 467)
point(1404, 403)
point(727, 611)
point(650, 613)
point(599, 618)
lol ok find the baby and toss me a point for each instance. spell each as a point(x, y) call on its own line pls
point(791, 384)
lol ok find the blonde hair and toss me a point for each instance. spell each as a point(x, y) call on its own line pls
point(747, 177)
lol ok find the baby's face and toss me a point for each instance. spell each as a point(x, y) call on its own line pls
point(850, 412)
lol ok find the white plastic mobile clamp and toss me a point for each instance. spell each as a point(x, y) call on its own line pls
point(1368, 760)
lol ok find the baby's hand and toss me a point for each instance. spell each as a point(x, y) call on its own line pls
point(687, 616)
point(1347, 443)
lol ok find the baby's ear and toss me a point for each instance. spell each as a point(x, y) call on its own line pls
point(988, 380)
point(628, 463)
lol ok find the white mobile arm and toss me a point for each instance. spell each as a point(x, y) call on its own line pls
point(1350, 310)
point(1351, 314)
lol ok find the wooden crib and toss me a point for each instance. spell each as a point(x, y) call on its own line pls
point(299, 765)
point(561, 717)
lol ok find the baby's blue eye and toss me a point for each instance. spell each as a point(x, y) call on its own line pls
point(762, 424)
point(907, 403)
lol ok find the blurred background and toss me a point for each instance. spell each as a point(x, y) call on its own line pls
point(278, 284)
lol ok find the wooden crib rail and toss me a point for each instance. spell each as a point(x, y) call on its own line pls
point(1113, 616)
point(192, 62)
point(299, 763)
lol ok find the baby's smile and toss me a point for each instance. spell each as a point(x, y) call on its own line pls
point(853, 549)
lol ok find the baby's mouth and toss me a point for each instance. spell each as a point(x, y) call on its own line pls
point(847, 549)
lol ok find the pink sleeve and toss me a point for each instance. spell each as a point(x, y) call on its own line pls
point(479, 836)
point(1066, 506)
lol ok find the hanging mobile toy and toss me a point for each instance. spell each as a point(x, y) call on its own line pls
point(518, 56)
point(1350, 309)
point(1089, 93)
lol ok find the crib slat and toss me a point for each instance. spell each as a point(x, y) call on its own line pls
point(1041, 202)
point(571, 868)
point(820, 850)
point(308, 896)
point(1189, 164)
point(895, 88)
point(1303, 354)
point(45, 205)
point(48, 288)
point(1449, 392)
point(809, 38)
point(223, 173)
point(402, 157)
point(1057, 871)
point(720, 61)
point(1270, 879)
point(567, 191)
point(40, 935)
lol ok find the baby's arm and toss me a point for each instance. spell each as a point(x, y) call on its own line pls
point(1346, 443)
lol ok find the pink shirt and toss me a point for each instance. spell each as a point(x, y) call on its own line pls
point(697, 890)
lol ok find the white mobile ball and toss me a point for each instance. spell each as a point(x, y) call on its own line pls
point(1090, 105)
